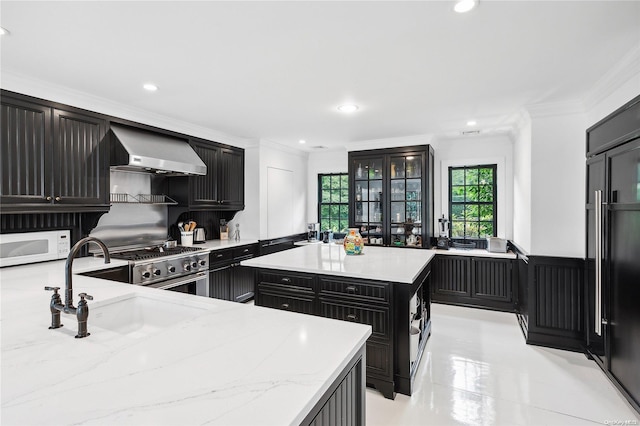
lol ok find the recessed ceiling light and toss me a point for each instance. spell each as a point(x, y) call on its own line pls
point(471, 123)
point(463, 6)
point(150, 87)
point(302, 141)
point(348, 108)
point(3, 31)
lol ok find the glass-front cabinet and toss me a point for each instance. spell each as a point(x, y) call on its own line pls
point(390, 199)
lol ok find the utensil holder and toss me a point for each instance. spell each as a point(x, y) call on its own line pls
point(186, 238)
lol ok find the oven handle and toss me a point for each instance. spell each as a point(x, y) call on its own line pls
point(166, 285)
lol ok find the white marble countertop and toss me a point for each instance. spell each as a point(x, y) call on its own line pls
point(229, 363)
point(376, 263)
point(476, 253)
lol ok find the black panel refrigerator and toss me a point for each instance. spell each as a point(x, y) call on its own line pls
point(613, 251)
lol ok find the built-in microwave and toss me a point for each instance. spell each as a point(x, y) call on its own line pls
point(32, 247)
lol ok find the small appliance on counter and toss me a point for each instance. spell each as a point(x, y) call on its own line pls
point(313, 231)
point(496, 245)
point(199, 236)
point(443, 239)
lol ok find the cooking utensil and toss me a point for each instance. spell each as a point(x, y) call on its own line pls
point(180, 227)
point(193, 225)
point(169, 244)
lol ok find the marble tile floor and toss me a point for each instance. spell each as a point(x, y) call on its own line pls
point(477, 370)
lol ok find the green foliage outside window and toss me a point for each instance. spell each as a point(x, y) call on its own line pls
point(472, 201)
point(333, 202)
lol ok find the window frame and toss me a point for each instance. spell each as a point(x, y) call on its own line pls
point(493, 203)
point(344, 178)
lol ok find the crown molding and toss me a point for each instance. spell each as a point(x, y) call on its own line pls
point(555, 108)
point(390, 142)
point(65, 95)
point(265, 143)
point(620, 73)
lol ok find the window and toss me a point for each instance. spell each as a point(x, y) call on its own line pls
point(333, 201)
point(472, 201)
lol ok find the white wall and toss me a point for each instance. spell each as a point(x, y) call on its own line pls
point(522, 184)
point(470, 151)
point(558, 185)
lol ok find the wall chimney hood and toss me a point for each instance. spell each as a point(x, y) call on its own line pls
point(142, 151)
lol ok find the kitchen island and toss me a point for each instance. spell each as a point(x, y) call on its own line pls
point(387, 288)
point(159, 357)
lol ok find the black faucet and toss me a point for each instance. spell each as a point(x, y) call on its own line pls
point(82, 311)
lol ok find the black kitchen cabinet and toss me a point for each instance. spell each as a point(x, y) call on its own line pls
point(228, 280)
point(474, 281)
point(391, 195)
point(222, 188)
point(385, 306)
point(612, 271)
point(53, 160)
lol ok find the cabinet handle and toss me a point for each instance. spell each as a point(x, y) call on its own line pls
point(598, 263)
point(351, 289)
point(49, 198)
point(352, 317)
point(286, 280)
point(218, 256)
point(57, 198)
point(245, 251)
point(285, 306)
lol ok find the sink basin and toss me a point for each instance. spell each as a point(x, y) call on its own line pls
point(136, 315)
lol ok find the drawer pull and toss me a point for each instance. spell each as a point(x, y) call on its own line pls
point(352, 317)
point(245, 251)
point(352, 289)
point(286, 280)
point(219, 256)
point(285, 306)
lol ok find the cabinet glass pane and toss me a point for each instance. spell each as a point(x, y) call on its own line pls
point(413, 211)
point(362, 191)
point(397, 211)
point(375, 169)
point(362, 211)
point(398, 190)
point(372, 234)
point(398, 237)
point(361, 170)
point(375, 212)
point(375, 190)
point(414, 168)
point(413, 189)
point(397, 168)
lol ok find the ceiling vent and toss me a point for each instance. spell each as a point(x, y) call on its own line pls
point(319, 147)
point(470, 132)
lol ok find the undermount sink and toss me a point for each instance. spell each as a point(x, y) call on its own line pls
point(137, 315)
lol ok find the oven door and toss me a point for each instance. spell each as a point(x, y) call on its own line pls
point(197, 284)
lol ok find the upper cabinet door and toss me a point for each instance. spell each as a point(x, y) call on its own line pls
point(204, 189)
point(25, 150)
point(80, 165)
point(231, 188)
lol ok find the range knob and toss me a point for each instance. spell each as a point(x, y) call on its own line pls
point(203, 262)
point(186, 266)
point(194, 265)
point(146, 274)
point(156, 272)
point(172, 269)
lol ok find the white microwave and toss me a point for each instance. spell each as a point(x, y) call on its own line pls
point(32, 247)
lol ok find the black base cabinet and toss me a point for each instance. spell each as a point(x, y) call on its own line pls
point(382, 305)
point(475, 281)
point(227, 279)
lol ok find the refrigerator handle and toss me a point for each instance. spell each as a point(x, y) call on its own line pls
point(598, 263)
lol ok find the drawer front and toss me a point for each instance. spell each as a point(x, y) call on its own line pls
point(220, 256)
point(286, 301)
point(376, 317)
point(288, 280)
point(245, 251)
point(373, 292)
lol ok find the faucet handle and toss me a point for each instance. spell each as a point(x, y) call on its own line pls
point(54, 289)
point(85, 295)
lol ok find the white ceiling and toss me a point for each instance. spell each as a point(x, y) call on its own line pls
point(278, 70)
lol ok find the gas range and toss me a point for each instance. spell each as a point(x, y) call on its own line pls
point(152, 265)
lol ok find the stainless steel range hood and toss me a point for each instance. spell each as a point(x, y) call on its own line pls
point(138, 150)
